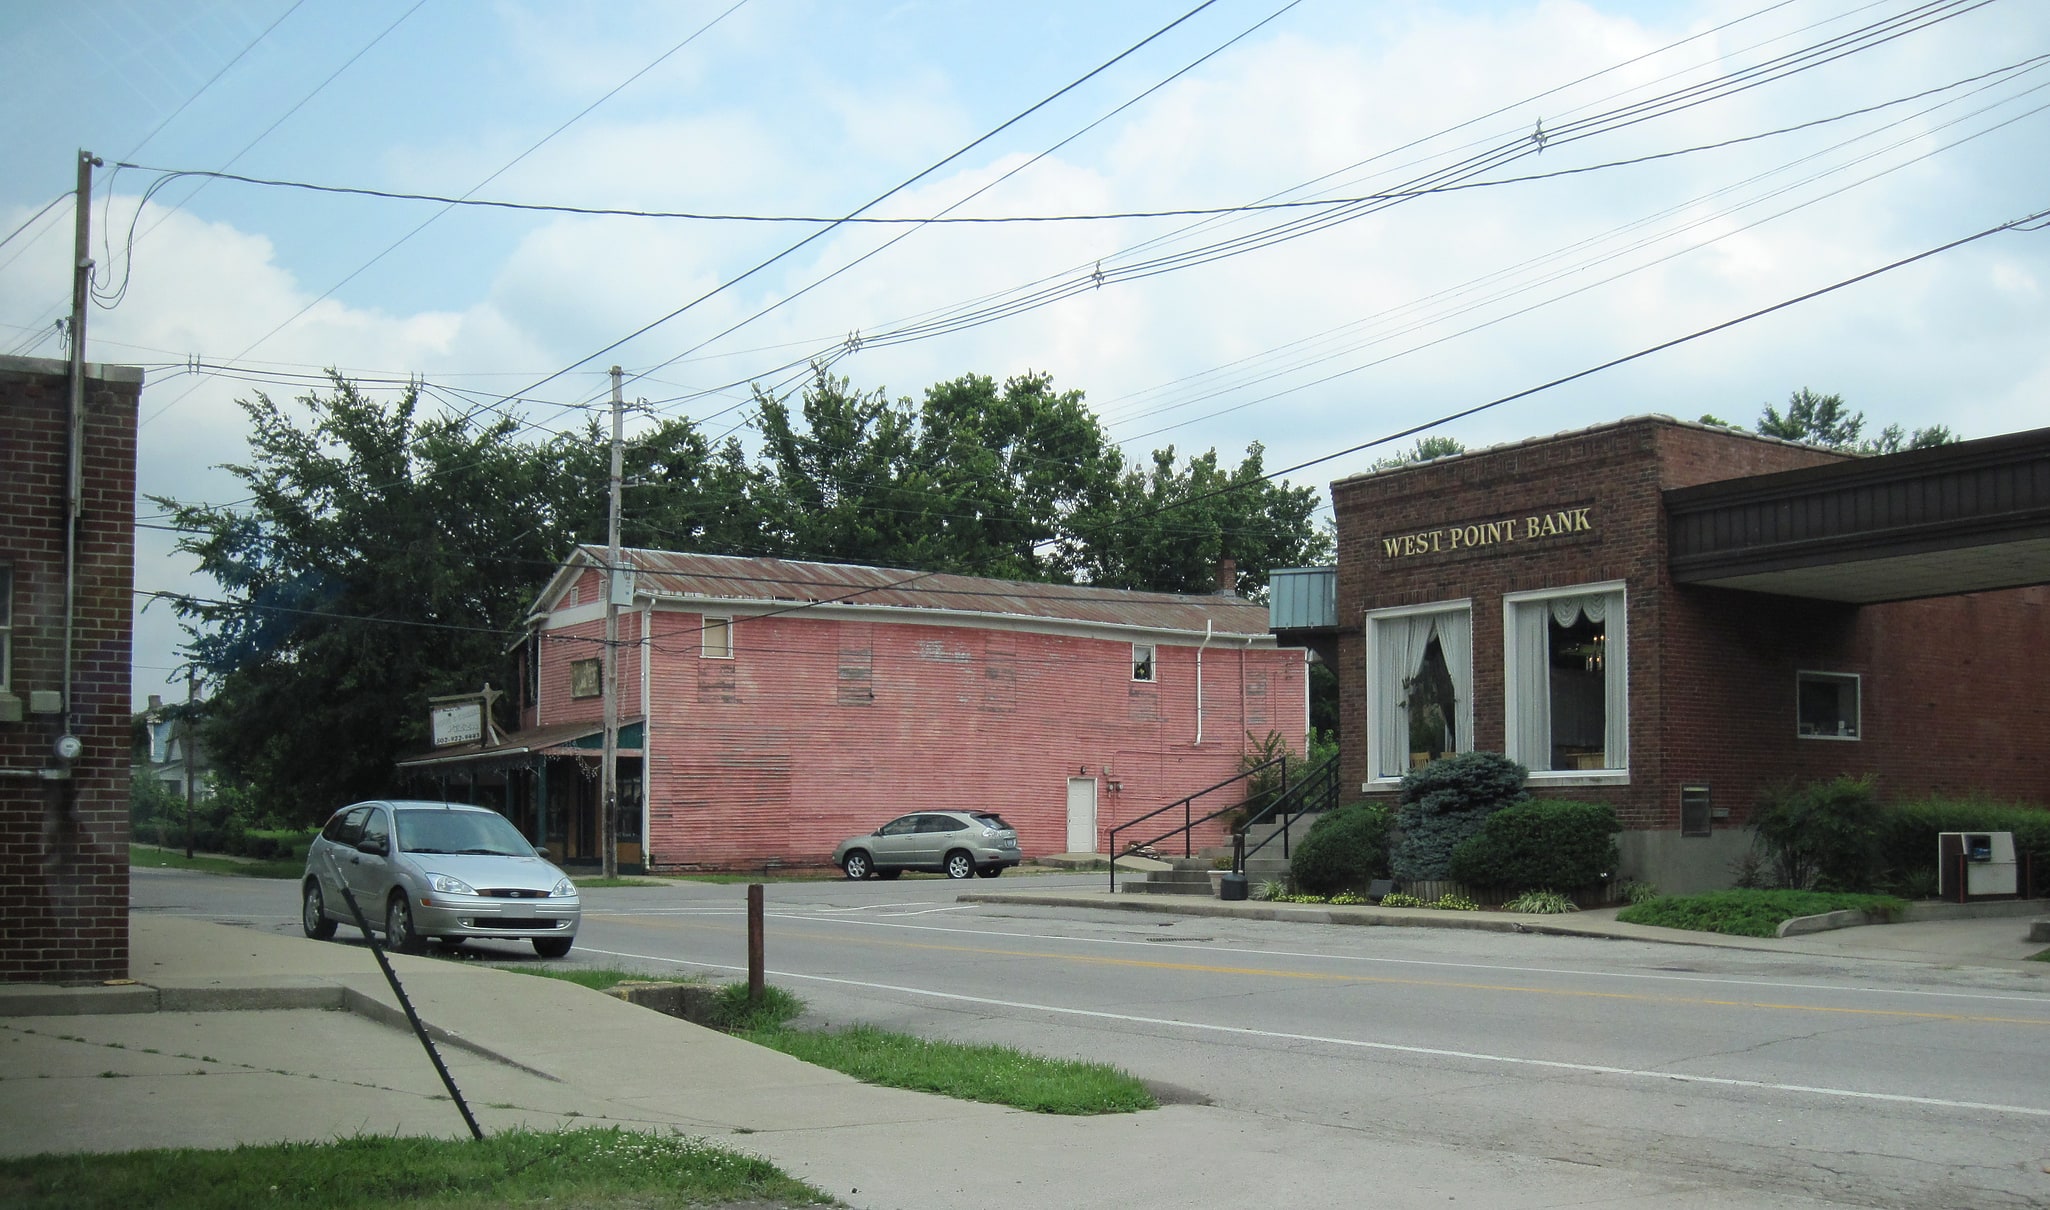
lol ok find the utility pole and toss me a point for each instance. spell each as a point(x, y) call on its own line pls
point(608, 842)
point(81, 298)
point(191, 689)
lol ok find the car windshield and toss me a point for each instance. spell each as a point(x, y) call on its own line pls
point(990, 819)
point(426, 830)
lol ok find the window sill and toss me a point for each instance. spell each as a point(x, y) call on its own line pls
point(1579, 777)
point(1836, 738)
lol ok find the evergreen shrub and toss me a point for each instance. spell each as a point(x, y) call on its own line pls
point(1445, 802)
point(1345, 850)
point(1540, 843)
point(1823, 835)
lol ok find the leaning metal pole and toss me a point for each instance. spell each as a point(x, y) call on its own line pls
point(419, 1031)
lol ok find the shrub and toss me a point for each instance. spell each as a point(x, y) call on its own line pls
point(1541, 903)
point(1634, 890)
point(1402, 899)
point(1453, 902)
point(1345, 850)
point(1540, 842)
point(1821, 835)
point(1445, 802)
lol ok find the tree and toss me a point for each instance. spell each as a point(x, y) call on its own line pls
point(382, 558)
point(1163, 528)
point(1425, 449)
point(1825, 420)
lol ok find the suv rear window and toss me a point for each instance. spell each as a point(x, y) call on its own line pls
point(990, 819)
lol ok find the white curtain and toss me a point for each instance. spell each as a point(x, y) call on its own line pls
point(1533, 685)
point(1399, 650)
point(1455, 639)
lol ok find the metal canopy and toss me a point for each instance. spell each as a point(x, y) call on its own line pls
point(1958, 518)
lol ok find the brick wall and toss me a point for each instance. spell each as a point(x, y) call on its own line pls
point(821, 727)
point(1951, 686)
point(64, 844)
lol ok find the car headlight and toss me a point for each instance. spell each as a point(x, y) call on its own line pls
point(449, 886)
point(565, 889)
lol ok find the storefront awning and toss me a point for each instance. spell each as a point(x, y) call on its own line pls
point(519, 748)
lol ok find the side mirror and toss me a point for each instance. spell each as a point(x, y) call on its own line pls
point(372, 845)
point(542, 849)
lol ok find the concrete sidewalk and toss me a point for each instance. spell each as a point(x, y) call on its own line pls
point(231, 1036)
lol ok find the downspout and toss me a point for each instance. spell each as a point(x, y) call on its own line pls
point(1199, 684)
point(647, 653)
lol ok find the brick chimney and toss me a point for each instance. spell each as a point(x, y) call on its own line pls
point(1227, 577)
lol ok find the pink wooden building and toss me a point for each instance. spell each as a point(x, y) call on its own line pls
point(772, 708)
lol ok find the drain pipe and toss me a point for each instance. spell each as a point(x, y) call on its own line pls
point(1199, 684)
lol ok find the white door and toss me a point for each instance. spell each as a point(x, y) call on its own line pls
point(1081, 815)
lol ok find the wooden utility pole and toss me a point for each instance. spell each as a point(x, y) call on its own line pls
point(185, 726)
point(608, 840)
point(74, 490)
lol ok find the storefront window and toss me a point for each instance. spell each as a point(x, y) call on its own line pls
point(1568, 708)
point(1420, 685)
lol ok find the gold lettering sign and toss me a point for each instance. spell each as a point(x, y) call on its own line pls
point(1530, 528)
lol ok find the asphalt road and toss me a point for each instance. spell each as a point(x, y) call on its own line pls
point(1851, 1082)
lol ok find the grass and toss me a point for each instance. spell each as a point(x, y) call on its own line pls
point(175, 858)
point(997, 1075)
point(1751, 913)
point(596, 1167)
point(594, 977)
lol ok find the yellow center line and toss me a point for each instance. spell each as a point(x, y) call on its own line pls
point(1200, 968)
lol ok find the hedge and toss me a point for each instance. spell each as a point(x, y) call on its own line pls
point(1540, 844)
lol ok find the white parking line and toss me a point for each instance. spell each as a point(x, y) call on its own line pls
point(1598, 1069)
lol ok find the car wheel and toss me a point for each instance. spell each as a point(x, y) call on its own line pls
point(856, 865)
point(553, 947)
point(399, 936)
point(960, 865)
point(313, 913)
point(989, 871)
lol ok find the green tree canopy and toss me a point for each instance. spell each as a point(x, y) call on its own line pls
point(384, 556)
point(1826, 420)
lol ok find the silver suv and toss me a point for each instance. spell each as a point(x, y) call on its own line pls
point(954, 843)
point(440, 870)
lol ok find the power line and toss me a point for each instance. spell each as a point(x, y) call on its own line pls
point(892, 191)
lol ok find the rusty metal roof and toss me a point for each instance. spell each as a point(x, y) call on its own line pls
point(674, 575)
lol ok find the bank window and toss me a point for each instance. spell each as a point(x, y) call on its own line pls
point(1827, 704)
point(1142, 661)
point(715, 641)
point(585, 678)
point(1568, 681)
point(1420, 686)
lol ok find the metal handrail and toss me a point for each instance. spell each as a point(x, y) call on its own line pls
point(1188, 819)
point(1321, 783)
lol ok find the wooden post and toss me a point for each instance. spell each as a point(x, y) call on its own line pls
point(754, 943)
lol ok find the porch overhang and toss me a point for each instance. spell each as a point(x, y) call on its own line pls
point(1968, 517)
point(523, 747)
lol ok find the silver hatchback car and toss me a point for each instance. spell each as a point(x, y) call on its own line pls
point(423, 870)
point(954, 843)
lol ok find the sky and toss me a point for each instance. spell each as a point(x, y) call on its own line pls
point(1500, 194)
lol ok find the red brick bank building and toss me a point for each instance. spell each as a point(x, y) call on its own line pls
point(1670, 617)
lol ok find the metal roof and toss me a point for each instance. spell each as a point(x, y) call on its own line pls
point(674, 575)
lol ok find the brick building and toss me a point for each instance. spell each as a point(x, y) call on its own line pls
point(1670, 617)
point(771, 708)
point(64, 818)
